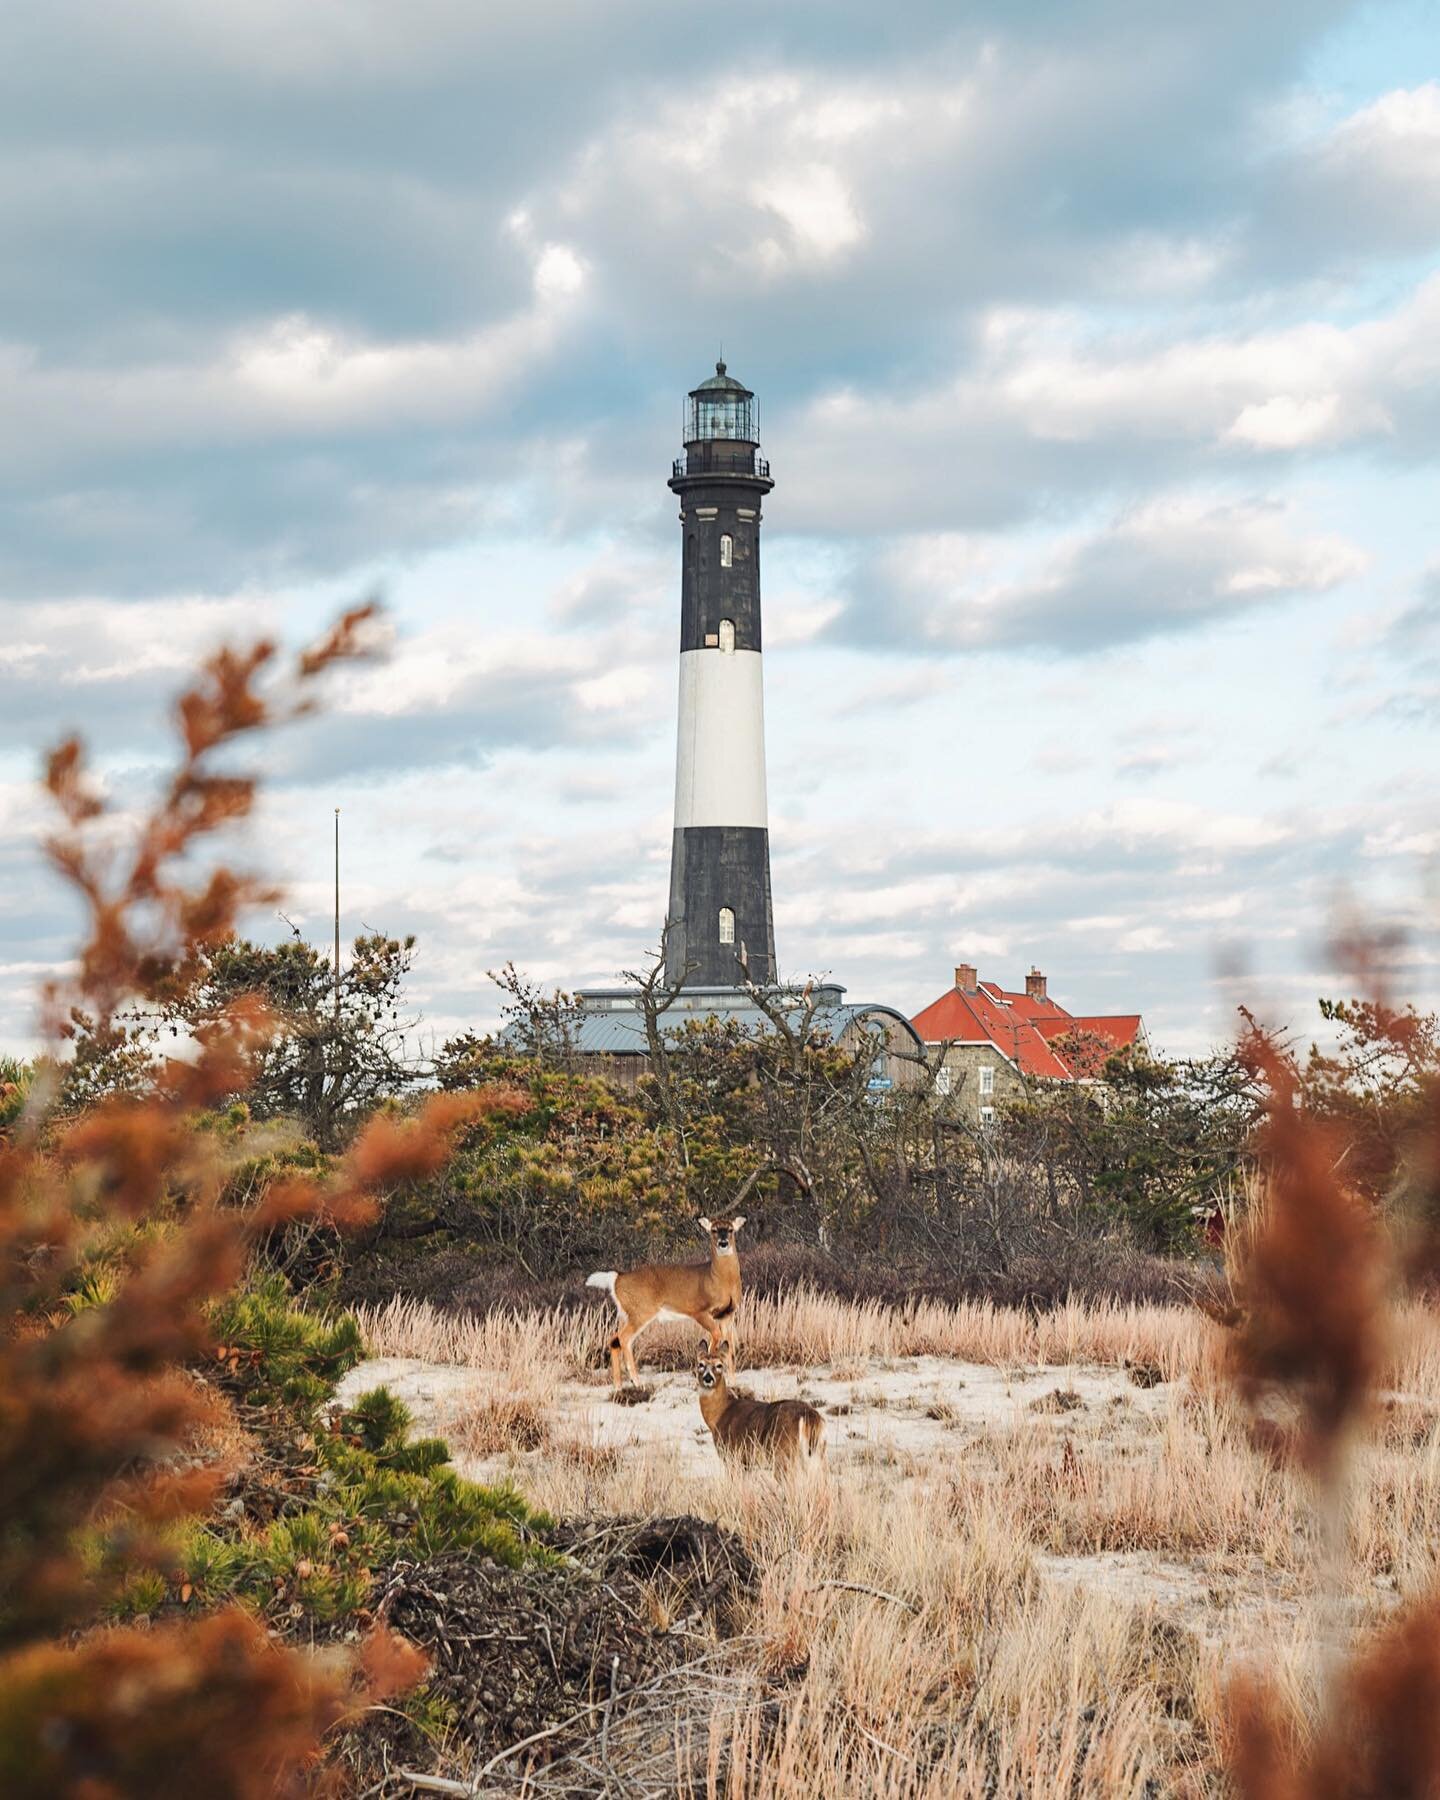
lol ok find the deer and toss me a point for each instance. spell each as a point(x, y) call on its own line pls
point(785, 1433)
point(707, 1293)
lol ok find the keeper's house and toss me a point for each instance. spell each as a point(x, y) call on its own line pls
point(997, 1042)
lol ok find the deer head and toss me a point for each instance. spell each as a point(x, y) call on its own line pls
point(722, 1235)
point(709, 1370)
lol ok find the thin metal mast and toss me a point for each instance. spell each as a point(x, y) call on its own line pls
point(337, 913)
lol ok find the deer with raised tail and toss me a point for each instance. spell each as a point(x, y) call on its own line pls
point(789, 1434)
point(707, 1293)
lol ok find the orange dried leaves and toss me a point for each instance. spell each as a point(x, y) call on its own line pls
point(1381, 1735)
point(1313, 1288)
point(94, 1400)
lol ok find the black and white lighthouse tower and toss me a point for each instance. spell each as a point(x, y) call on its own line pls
point(719, 906)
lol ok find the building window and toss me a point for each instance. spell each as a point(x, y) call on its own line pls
point(942, 1081)
point(727, 636)
point(727, 925)
point(987, 1079)
point(727, 550)
point(987, 1116)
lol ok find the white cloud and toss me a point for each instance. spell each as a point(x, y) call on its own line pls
point(1059, 348)
point(818, 210)
point(294, 377)
point(1171, 565)
point(1284, 422)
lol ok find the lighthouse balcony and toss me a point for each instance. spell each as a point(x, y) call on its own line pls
point(718, 457)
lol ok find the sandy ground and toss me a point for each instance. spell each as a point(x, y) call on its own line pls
point(903, 1414)
point(909, 1420)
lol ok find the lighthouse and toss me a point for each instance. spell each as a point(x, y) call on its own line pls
point(719, 928)
point(719, 912)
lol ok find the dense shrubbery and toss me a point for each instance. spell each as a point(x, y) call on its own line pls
point(565, 1171)
point(331, 1497)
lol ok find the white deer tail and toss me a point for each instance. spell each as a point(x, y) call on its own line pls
point(603, 1278)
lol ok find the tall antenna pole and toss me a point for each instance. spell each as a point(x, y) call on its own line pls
point(337, 914)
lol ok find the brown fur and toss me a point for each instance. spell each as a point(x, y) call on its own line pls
point(782, 1432)
point(708, 1293)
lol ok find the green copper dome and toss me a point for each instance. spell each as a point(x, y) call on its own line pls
point(721, 383)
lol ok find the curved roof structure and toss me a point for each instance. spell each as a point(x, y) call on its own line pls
point(610, 1023)
point(721, 382)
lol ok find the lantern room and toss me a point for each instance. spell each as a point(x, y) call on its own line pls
point(721, 407)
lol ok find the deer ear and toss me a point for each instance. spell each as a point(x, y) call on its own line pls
point(705, 1225)
point(737, 1221)
point(704, 1346)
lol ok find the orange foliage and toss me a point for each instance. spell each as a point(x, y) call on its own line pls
point(1380, 1739)
point(1314, 1285)
point(212, 1708)
point(1313, 1324)
point(93, 1403)
point(390, 1150)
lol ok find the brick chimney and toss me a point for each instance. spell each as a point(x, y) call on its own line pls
point(1035, 985)
point(967, 977)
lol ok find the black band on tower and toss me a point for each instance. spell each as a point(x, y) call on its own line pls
point(719, 870)
point(721, 580)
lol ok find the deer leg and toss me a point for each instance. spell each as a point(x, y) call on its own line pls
point(725, 1324)
point(630, 1357)
point(710, 1324)
point(625, 1349)
point(622, 1356)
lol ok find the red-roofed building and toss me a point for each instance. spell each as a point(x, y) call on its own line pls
point(997, 1040)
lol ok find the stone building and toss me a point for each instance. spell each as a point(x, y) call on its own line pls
point(997, 1042)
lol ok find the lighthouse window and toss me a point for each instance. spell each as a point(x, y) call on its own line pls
point(727, 635)
point(727, 550)
point(727, 925)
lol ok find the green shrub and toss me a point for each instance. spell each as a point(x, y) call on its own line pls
point(356, 1494)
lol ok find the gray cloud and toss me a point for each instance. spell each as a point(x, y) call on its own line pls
point(178, 191)
point(1166, 568)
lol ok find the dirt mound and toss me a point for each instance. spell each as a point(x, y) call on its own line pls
point(705, 1568)
point(551, 1654)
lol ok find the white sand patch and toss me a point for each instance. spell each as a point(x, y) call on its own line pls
point(923, 1410)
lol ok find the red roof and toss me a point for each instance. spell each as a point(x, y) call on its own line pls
point(1024, 1028)
point(976, 1018)
point(1121, 1029)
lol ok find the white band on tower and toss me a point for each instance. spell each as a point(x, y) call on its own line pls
point(720, 765)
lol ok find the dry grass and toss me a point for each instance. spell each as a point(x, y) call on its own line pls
point(499, 1423)
point(912, 1635)
point(804, 1328)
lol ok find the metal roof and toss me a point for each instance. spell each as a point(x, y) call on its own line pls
point(611, 1025)
point(722, 383)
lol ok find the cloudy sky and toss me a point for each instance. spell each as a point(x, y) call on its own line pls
point(1098, 353)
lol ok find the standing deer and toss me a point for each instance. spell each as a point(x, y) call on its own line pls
point(787, 1433)
point(708, 1293)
